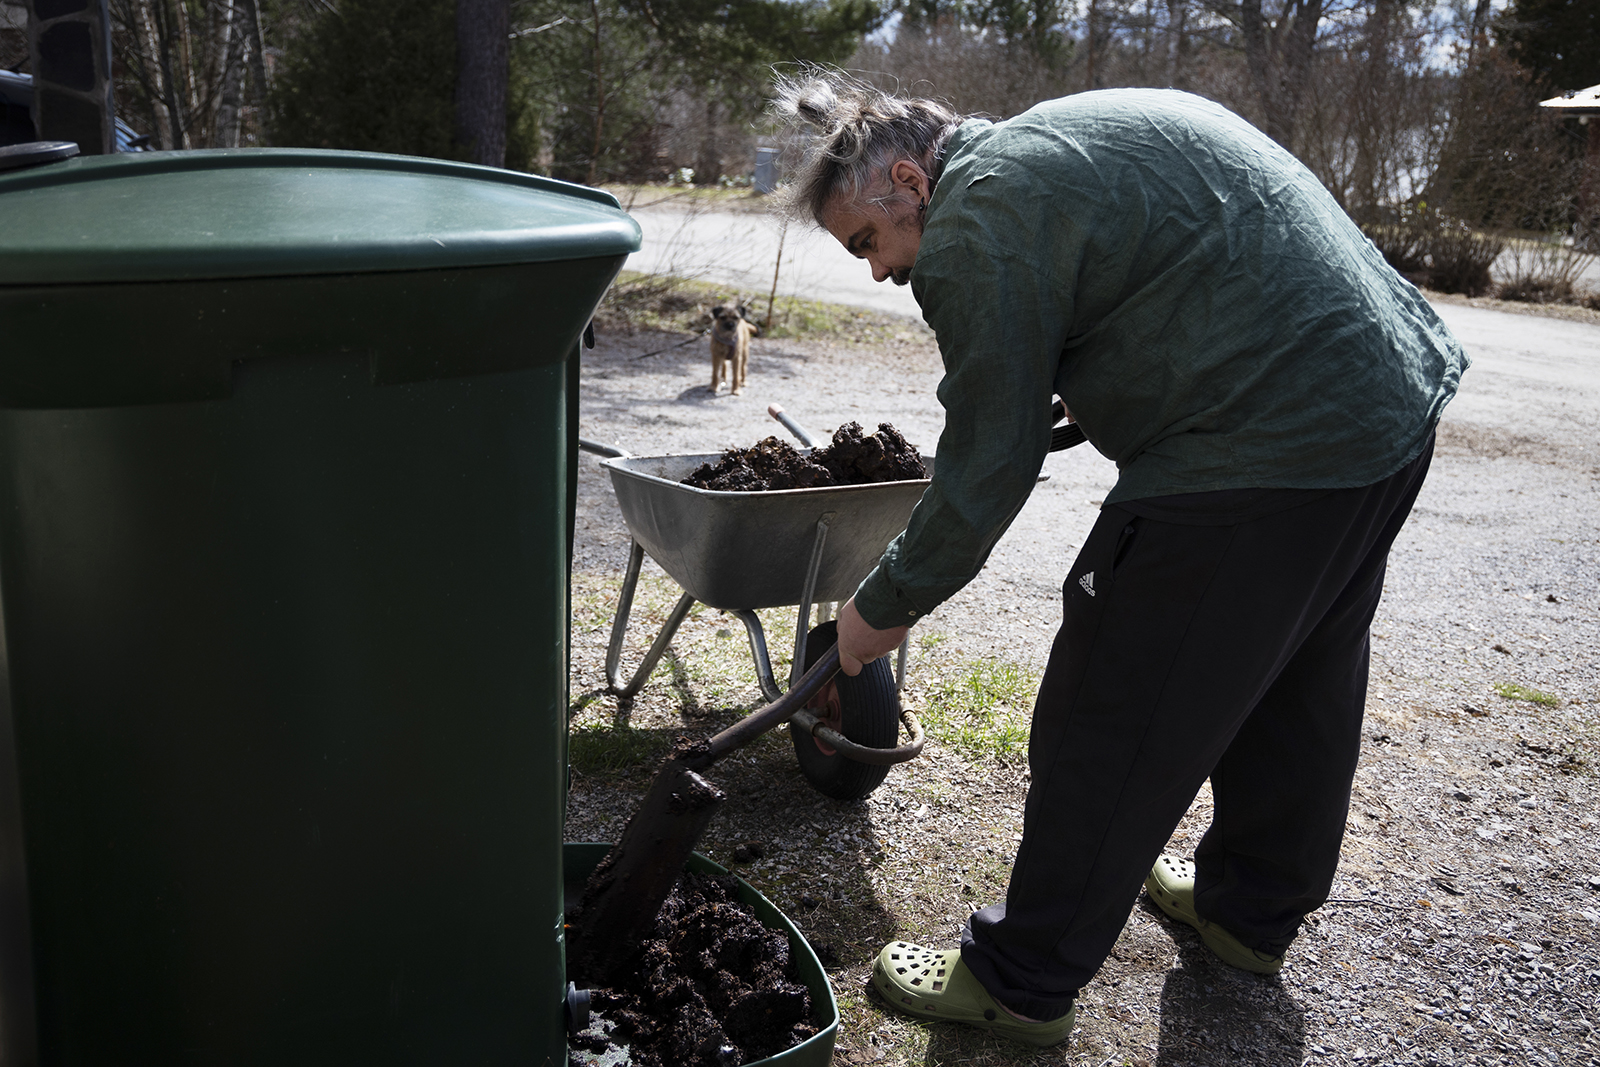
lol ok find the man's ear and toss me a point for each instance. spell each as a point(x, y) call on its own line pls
point(907, 175)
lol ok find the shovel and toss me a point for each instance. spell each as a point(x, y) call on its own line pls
point(625, 893)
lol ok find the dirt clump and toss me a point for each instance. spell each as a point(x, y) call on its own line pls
point(713, 988)
point(852, 458)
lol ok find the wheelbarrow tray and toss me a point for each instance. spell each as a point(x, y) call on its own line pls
point(751, 550)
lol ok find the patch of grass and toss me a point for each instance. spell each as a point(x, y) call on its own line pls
point(600, 749)
point(681, 305)
point(1513, 691)
point(657, 302)
point(718, 197)
point(707, 667)
point(717, 665)
point(594, 602)
point(983, 709)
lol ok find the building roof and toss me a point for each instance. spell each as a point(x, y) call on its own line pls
point(1576, 101)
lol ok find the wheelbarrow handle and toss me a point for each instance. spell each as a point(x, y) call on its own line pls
point(877, 757)
point(608, 451)
point(777, 412)
point(761, 720)
point(1064, 437)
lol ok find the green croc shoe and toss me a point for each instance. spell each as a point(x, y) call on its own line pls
point(1171, 886)
point(937, 985)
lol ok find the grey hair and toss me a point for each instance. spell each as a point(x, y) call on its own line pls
point(860, 131)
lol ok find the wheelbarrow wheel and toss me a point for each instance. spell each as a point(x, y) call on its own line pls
point(869, 708)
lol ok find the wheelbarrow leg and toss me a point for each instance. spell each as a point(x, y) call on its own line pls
point(619, 630)
point(797, 666)
point(758, 652)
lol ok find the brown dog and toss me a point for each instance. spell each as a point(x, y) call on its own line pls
point(731, 330)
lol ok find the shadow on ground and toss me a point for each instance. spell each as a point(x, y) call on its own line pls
point(1212, 1013)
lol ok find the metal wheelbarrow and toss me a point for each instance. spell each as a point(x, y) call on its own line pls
point(740, 551)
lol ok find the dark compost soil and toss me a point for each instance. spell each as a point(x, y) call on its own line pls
point(713, 988)
point(853, 458)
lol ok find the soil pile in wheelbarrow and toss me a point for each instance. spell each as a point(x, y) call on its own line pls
point(713, 988)
point(854, 458)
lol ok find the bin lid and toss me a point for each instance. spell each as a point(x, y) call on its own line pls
point(258, 212)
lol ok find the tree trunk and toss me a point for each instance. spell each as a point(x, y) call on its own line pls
point(1091, 17)
point(258, 66)
point(1177, 18)
point(1371, 109)
point(1480, 31)
point(148, 48)
point(708, 164)
point(1279, 61)
point(178, 131)
point(213, 74)
point(599, 96)
point(1299, 47)
point(230, 104)
point(483, 30)
point(186, 73)
point(1257, 62)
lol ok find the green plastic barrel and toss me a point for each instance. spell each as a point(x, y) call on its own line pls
point(286, 440)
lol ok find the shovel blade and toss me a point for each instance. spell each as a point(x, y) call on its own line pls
point(625, 893)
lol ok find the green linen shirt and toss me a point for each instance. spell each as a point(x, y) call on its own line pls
point(1209, 314)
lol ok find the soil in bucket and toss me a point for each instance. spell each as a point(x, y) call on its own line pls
point(714, 988)
point(852, 458)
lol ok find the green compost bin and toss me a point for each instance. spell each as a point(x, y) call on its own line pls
point(285, 448)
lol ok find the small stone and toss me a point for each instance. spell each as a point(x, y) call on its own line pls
point(749, 852)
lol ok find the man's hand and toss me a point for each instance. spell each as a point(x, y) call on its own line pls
point(859, 643)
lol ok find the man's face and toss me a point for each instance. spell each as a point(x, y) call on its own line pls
point(886, 235)
point(884, 230)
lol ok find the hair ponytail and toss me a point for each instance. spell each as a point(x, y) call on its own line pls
point(857, 133)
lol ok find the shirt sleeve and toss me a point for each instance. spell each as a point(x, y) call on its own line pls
point(1001, 325)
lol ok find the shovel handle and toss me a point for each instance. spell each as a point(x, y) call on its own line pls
point(761, 720)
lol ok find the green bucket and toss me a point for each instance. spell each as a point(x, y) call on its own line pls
point(580, 858)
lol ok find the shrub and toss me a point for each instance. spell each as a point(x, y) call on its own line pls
point(1459, 259)
point(1435, 250)
point(1541, 272)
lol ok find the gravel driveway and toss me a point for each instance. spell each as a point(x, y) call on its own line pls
point(1466, 921)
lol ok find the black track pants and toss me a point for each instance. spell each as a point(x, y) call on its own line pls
point(1237, 652)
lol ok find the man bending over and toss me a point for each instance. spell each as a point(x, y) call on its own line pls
point(1268, 388)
